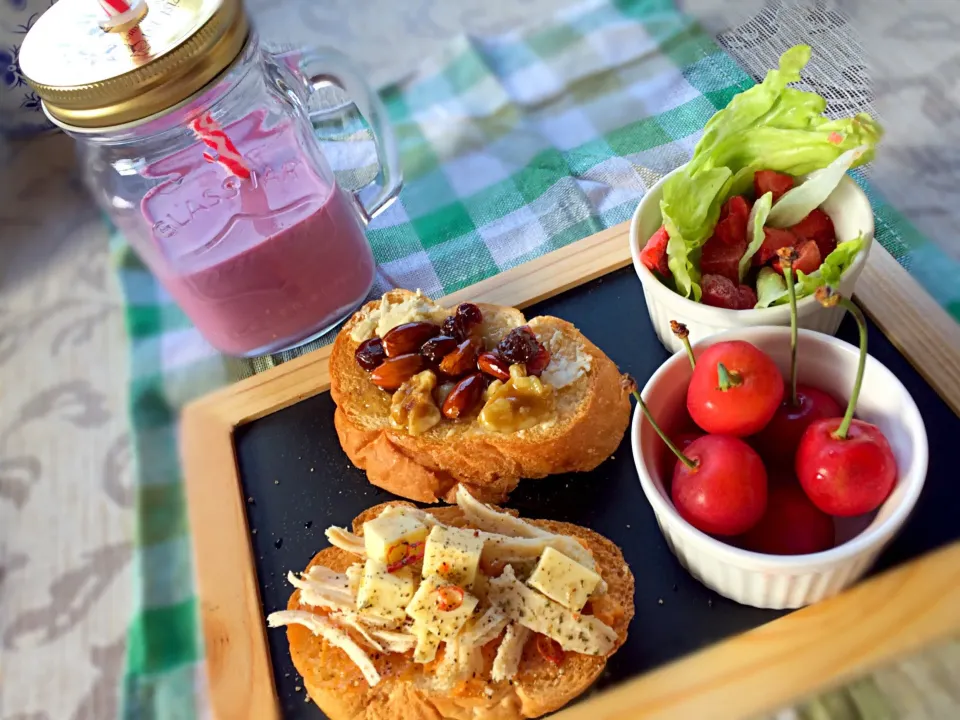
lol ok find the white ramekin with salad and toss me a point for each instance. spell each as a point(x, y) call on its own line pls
point(769, 172)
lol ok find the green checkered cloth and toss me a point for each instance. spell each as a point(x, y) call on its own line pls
point(512, 146)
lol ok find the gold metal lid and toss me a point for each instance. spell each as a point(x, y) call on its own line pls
point(89, 78)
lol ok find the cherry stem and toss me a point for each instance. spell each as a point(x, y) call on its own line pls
point(663, 436)
point(680, 330)
point(841, 432)
point(792, 294)
point(727, 379)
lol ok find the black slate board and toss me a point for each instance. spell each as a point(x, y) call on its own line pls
point(298, 481)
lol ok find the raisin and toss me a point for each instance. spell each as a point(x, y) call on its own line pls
point(370, 354)
point(519, 346)
point(436, 349)
point(538, 363)
point(449, 326)
point(467, 318)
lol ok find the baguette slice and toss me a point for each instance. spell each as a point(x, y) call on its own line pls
point(593, 410)
point(336, 685)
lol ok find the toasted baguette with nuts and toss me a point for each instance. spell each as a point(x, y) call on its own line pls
point(413, 440)
point(539, 682)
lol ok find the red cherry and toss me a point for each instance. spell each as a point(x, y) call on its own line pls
point(725, 490)
point(846, 476)
point(735, 389)
point(846, 466)
point(777, 443)
point(792, 525)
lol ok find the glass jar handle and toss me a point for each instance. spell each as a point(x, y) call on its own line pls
point(323, 66)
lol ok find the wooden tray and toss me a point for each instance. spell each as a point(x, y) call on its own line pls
point(265, 475)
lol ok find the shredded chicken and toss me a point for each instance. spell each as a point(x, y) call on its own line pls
point(447, 671)
point(486, 628)
point(395, 641)
point(354, 576)
point(346, 540)
point(583, 634)
point(321, 573)
point(507, 661)
point(320, 593)
point(331, 634)
point(353, 621)
point(492, 521)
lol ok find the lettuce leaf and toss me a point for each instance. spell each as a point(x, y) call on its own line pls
point(799, 202)
point(770, 286)
point(769, 126)
point(829, 273)
point(755, 223)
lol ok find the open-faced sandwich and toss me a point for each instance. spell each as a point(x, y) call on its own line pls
point(429, 398)
point(460, 611)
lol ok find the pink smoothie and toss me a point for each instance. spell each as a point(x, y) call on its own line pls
point(263, 264)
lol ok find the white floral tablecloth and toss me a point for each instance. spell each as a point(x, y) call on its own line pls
point(65, 521)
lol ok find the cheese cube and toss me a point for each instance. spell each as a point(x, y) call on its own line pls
point(427, 645)
point(452, 554)
point(563, 580)
point(429, 598)
point(391, 539)
point(385, 594)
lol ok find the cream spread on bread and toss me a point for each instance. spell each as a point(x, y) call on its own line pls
point(568, 361)
point(380, 320)
point(425, 587)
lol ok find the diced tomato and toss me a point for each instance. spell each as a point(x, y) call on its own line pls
point(765, 181)
point(719, 291)
point(773, 240)
point(654, 253)
point(817, 226)
point(746, 298)
point(720, 257)
point(731, 231)
point(732, 226)
point(737, 205)
point(808, 258)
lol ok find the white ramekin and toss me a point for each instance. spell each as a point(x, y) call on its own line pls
point(772, 581)
point(851, 213)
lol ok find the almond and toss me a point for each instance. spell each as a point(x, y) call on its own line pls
point(493, 365)
point(460, 361)
point(394, 372)
point(464, 397)
point(408, 337)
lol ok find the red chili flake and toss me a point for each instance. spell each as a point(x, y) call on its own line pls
point(835, 138)
point(449, 597)
point(412, 553)
point(550, 649)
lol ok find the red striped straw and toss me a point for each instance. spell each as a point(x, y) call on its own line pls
point(224, 151)
point(121, 13)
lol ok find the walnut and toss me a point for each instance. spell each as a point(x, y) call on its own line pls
point(412, 406)
point(517, 404)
